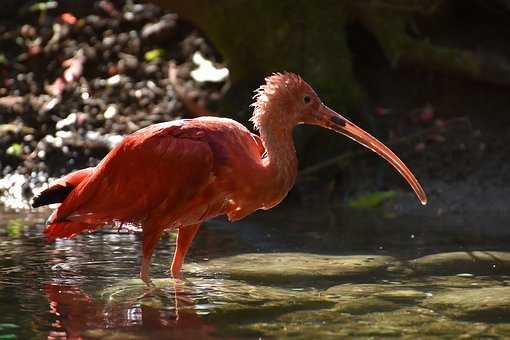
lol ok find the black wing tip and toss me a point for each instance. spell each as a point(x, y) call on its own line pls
point(36, 202)
point(55, 194)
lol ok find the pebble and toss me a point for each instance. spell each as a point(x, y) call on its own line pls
point(69, 120)
point(111, 112)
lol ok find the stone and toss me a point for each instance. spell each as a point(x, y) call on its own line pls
point(433, 283)
point(475, 262)
point(402, 295)
point(294, 267)
point(366, 306)
point(217, 296)
point(369, 298)
point(353, 290)
point(490, 304)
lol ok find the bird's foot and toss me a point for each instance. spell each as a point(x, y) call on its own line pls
point(148, 294)
point(144, 276)
point(152, 289)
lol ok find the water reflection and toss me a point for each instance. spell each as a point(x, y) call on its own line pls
point(76, 314)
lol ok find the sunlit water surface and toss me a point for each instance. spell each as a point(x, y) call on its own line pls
point(291, 273)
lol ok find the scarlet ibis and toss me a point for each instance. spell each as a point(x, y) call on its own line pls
point(178, 174)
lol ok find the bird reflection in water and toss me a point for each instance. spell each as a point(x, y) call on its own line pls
point(77, 315)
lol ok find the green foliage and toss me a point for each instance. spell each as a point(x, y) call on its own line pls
point(14, 228)
point(15, 149)
point(8, 336)
point(155, 54)
point(43, 6)
point(8, 327)
point(372, 200)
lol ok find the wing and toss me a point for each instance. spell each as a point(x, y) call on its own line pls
point(61, 188)
point(151, 172)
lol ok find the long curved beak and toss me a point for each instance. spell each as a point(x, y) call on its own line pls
point(329, 119)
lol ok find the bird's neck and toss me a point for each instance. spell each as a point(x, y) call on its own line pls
point(281, 160)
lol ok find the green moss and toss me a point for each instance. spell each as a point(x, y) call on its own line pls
point(15, 149)
point(155, 54)
point(390, 30)
point(372, 200)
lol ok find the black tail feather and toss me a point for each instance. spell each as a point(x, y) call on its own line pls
point(54, 194)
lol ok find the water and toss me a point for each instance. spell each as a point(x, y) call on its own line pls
point(289, 273)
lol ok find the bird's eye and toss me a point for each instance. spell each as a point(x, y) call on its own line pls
point(306, 99)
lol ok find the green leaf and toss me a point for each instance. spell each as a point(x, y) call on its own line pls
point(43, 6)
point(8, 326)
point(3, 59)
point(15, 149)
point(372, 200)
point(155, 54)
point(14, 228)
point(8, 336)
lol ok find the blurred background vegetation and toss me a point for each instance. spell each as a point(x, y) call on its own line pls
point(428, 77)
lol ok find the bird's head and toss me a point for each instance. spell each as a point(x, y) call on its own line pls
point(286, 100)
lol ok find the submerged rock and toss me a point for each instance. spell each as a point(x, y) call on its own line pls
point(474, 262)
point(490, 304)
point(409, 323)
point(439, 306)
point(352, 290)
point(216, 296)
point(433, 283)
point(402, 295)
point(293, 267)
point(369, 298)
point(366, 305)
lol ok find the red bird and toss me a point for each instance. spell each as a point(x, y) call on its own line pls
point(181, 173)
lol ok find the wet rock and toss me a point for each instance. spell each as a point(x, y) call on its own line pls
point(475, 262)
point(446, 327)
point(292, 267)
point(306, 324)
point(500, 330)
point(368, 298)
point(402, 295)
point(366, 305)
point(222, 297)
point(490, 304)
point(352, 290)
point(407, 323)
point(417, 322)
point(333, 324)
point(432, 283)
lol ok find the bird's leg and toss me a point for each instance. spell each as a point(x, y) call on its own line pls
point(150, 239)
point(185, 236)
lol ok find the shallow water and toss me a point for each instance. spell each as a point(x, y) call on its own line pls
point(289, 273)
